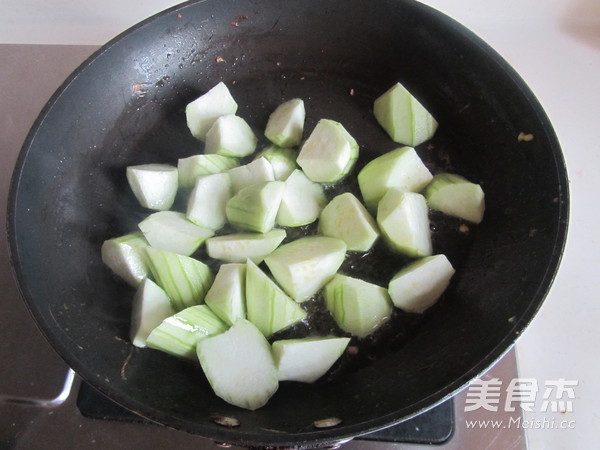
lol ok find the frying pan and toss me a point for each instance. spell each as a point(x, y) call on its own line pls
point(125, 105)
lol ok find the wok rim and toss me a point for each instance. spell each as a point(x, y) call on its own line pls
point(314, 437)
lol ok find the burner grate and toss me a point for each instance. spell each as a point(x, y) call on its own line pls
point(432, 427)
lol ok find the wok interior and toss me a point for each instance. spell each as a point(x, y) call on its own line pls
point(127, 107)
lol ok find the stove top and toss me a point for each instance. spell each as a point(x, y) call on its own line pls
point(432, 427)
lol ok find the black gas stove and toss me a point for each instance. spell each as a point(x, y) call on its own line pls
point(432, 427)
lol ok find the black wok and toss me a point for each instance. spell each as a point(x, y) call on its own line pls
point(125, 106)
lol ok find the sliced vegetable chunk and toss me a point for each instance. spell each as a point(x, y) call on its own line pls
point(283, 160)
point(230, 135)
point(302, 201)
point(418, 286)
point(357, 306)
point(206, 109)
point(286, 123)
point(227, 295)
point(254, 208)
point(303, 266)
point(402, 116)
point(124, 255)
point(404, 222)
point(170, 230)
point(267, 306)
point(192, 167)
point(206, 204)
point(149, 308)
point(307, 359)
point(329, 153)
point(456, 196)
point(179, 334)
point(257, 171)
point(400, 168)
point(239, 366)
point(237, 247)
point(154, 185)
point(345, 218)
point(185, 280)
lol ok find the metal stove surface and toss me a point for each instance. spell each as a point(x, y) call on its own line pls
point(39, 394)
